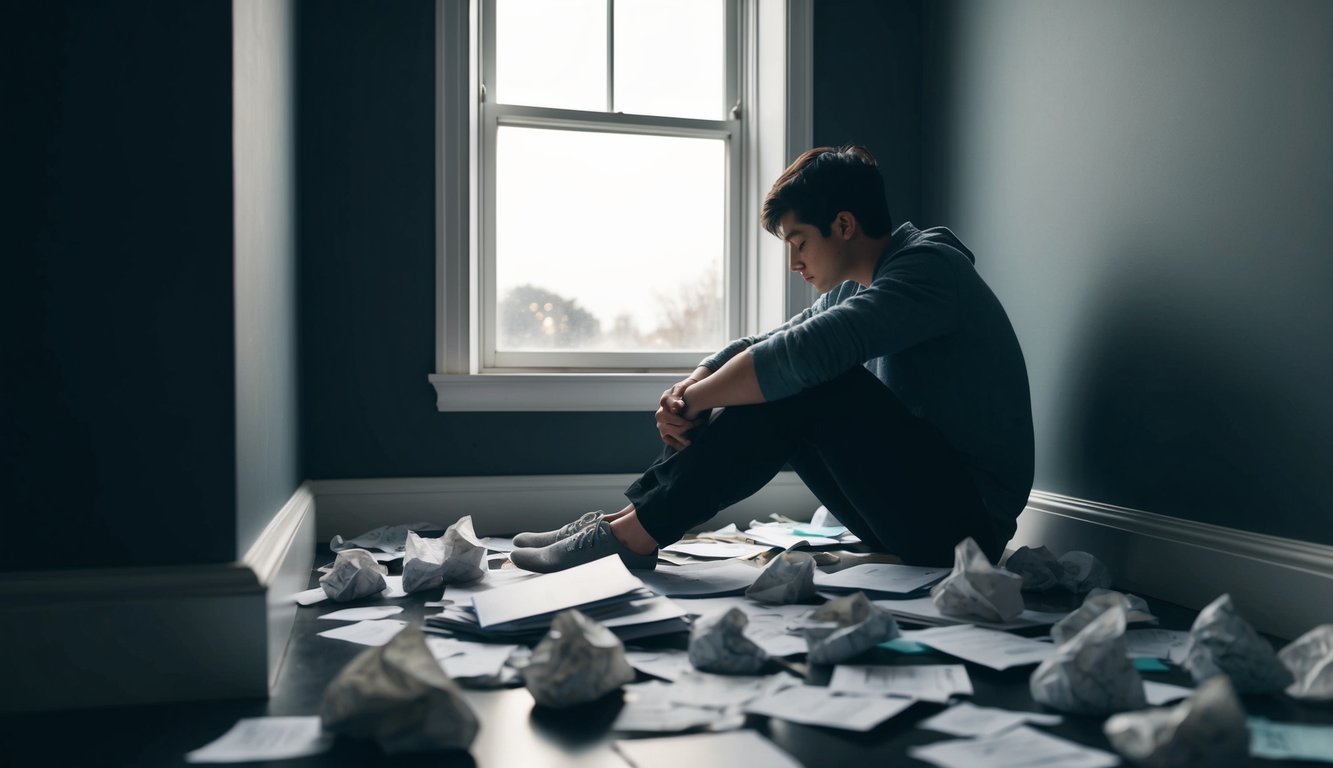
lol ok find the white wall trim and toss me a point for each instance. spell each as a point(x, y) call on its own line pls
point(551, 391)
point(507, 504)
point(1282, 586)
point(281, 560)
point(125, 636)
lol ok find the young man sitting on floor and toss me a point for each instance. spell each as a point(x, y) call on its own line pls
point(900, 397)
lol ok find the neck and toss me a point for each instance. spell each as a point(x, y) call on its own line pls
point(865, 254)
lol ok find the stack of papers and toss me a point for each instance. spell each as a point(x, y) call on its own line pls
point(604, 590)
point(880, 579)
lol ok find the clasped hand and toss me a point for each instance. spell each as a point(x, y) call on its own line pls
point(672, 422)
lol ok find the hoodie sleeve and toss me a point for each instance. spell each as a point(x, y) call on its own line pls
point(734, 348)
point(913, 298)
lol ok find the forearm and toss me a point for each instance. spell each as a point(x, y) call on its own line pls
point(734, 383)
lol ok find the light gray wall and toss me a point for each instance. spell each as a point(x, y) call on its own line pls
point(1149, 189)
point(265, 263)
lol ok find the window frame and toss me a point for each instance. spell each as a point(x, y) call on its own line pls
point(759, 292)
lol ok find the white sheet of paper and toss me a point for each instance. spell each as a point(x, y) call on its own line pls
point(377, 632)
point(987, 647)
point(665, 718)
point(710, 750)
point(499, 544)
point(463, 593)
point(393, 587)
point(931, 682)
point(712, 578)
point(781, 536)
point(816, 705)
point(768, 625)
point(464, 659)
point(1290, 741)
point(1019, 747)
point(1169, 644)
point(967, 719)
point(667, 664)
point(645, 611)
point(265, 738)
point(716, 550)
point(922, 610)
point(365, 613)
point(598, 580)
point(881, 577)
point(702, 689)
point(310, 596)
point(1163, 693)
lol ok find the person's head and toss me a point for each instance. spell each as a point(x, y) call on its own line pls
point(825, 181)
point(829, 207)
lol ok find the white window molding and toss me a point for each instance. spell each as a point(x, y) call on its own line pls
point(776, 89)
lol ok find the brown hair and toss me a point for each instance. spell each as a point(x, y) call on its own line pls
point(824, 181)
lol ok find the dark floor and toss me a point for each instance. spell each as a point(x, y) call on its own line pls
point(513, 732)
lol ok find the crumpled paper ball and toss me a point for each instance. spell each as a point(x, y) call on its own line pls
point(398, 695)
point(354, 575)
point(855, 625)
point(976, 589)
point(1310, 659)
point(1091, 674)
point(1223, 643)
point(1207, 729)
point(578, 661)
point(1097, 602)
point(718, 644)
point(790, 578)
point(1083, 572)
point(454, 558)
point(1039, 568)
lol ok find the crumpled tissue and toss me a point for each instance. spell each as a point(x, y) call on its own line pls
point(1223, 643)
point(386, 538)
point(852, 625)
point(1039, 568)
point(398, 695)
point(790, 578)
point(578, 661)
point(354, 575)
point(977, 589)
point(718, 644)
point(1097, 602)
point(454, 558)
point(1208, 728)
point(1310, 659)
point(1091, 674)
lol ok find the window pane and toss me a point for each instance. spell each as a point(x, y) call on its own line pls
point(609, 241)
point(670, 58)
point(551, 53)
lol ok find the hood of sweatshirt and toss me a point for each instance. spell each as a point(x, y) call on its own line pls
point(907, 238)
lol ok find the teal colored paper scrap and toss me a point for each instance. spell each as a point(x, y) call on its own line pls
point(1150, 665)
point(905, 646)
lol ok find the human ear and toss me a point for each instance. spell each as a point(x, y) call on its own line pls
point(846, 224)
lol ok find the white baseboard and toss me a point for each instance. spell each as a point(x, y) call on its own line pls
point(1282, 586)
point(124, 636)
point(508, 504)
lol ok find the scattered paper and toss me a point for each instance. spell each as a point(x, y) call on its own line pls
point(1223, 643)
point(462, 659)
point(718, 644)
point(1290, 741)
point(1020, 747)
point(1169, 644)
point(1038, 567)
point(825, 531)
point(967, 719)
point(265, 738)
point(1158, 694)
point(355, 575)
point(378, 632)
point(647, 710)
point(977, 589)
point(1310, 659)
point(816, 705)
point(846, 628)
point(310, 596)
point(781, 536)
point(717, 550)
point(578, 661)
point(463, 593)
point(929, 682)
point(552, 592)
point(788, 578)
point(1208, 729)
point(393, 588)
point(366, 613)
point(922, 610)
point(499, 544)
point(713, 750)
point(387, 538)
point(454, 558)
point(1083, 572)
point(699, 579)
point(1090, 674)
point(667, 664)
point(987, 647)
point(701, 689)
point(881, 577)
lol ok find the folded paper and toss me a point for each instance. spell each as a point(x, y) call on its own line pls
point(399, 696)
point(576, 662)
point(790, 578)
point(1310, 659)
point(354, 575)
point(1208, 728)
point(1223, 643)
point(1091, 674)
point(977, 589)
point(847, 627)
point(718, 644)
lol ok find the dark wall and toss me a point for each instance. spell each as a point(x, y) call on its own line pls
point(267, 466)
point(116, 377)
point(1148, 187)
point(366, 227)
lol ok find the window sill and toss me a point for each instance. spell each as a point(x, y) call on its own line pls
point(539, 392)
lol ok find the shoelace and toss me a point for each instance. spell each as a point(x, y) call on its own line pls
point(588, 537)
point(587, 517)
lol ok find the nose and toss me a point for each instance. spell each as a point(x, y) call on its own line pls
point(793, 263)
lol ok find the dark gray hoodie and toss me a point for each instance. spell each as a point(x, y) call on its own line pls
point(931, 329)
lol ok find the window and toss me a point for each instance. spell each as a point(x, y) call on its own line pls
point(600, 179)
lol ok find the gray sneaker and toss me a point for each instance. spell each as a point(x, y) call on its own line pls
point(547, 538)
point(593, 542)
